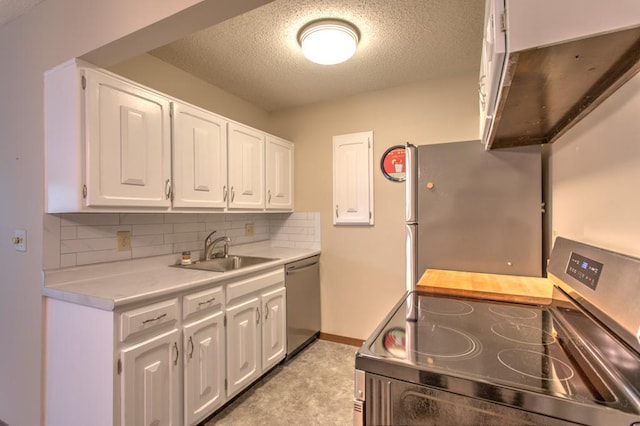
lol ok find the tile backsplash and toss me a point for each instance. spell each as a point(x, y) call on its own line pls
point(83, 239)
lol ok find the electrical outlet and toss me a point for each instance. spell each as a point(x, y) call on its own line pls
point(248, 229)
point(20, 240)
point(124, 240)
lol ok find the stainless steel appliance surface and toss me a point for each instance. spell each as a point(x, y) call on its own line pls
point(302, 282)
point(472, 210)
point(438, 359)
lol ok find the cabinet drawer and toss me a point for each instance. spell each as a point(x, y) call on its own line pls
point(253, 284)
point(208, 300)
point(148, 318)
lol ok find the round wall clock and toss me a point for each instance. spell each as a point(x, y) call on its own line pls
point(393, 164)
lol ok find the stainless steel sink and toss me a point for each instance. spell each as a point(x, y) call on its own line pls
point(225, 264)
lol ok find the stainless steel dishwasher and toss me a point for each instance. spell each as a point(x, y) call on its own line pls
point(303, 303)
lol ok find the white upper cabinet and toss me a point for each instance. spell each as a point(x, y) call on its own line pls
point(279, 174)
point(199, 158)
point(128, 144)
point(107, 143)
point(353, 179)
point(112, 145)
point(246, 167)
point(491, 64)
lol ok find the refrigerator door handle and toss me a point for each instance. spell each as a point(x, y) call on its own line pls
point(411, 183)
point(412, 261)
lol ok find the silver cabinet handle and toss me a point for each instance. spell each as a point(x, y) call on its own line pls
point(206, 302)
point(266, 311)
point(191, 347)
point(224, 193)
point(337, 215)
point(233, 194)
point(159, 317)
point(269, 199)
point(177, 352)
point(257, 316)
point(167, 189)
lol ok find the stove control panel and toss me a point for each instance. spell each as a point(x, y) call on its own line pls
point(585, 270)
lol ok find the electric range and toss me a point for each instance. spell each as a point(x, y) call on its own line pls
point(440, 360)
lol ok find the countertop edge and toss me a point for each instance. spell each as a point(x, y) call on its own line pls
point(151, 278)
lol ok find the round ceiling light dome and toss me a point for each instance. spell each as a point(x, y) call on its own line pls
point(328, 41)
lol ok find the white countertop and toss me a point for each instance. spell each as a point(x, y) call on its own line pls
point(111, 285)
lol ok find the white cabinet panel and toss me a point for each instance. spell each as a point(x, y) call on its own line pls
point(274, 327)
point(204, 367)
point(246, 168)
point(149, 383)
point(243, 345)
point(113, 145)
point(279, 174)
point(199, 158)
point(353, 179)
point(128, 144)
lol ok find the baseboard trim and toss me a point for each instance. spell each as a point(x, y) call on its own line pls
point(341, 339)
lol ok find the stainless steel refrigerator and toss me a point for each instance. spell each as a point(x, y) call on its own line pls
point(473, 210)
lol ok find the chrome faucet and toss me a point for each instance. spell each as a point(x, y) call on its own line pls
point(209, 245)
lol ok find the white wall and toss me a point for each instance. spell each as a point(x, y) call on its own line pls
point(362, 268)
point(594, 173)
point(152, 72)
point(51, 33)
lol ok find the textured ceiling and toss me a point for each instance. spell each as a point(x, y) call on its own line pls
point(256, 55)
point(11, 9)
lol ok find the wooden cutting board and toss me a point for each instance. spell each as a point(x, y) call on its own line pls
point(490, 286)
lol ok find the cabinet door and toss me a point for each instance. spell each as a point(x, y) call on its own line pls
point(243, 345)
point(491, 64)
point(199, 158)
point(128, 144)
point(204, 367)
point(353, 179)
point(274, 328)
point(246, 167)
point(149, 382)
point(279, 172)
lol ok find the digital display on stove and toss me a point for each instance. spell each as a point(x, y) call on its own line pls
point(585, 270)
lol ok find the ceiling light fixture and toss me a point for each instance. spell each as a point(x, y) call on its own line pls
point(328, 41)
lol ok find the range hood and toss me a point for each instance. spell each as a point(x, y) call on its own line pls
point(553, 65)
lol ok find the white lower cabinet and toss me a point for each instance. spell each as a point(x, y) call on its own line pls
point(274, 327)
point(149, 381)
point(203, 342)
point(256, 328)
point(165, 362)
point(243, 349)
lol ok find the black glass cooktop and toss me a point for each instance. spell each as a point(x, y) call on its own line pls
point(537, 348)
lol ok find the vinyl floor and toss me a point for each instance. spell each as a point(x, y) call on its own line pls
point(313, 388)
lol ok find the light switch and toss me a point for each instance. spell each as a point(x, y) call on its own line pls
point(20, 240)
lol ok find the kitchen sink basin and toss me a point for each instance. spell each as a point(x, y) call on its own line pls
point(225, 264)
